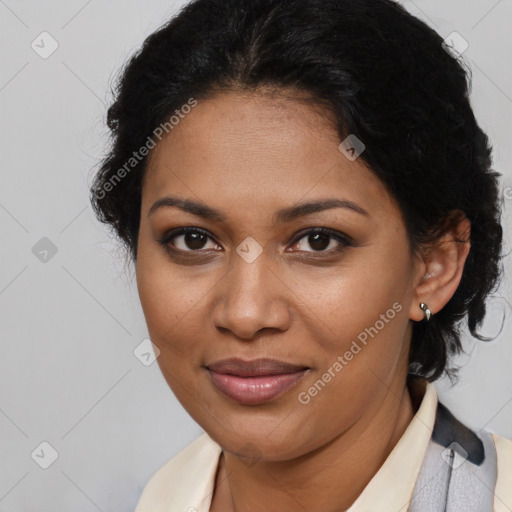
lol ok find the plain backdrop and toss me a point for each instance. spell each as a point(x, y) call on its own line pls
point(73, 395)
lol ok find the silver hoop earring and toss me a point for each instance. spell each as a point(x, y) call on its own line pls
point(425, 309)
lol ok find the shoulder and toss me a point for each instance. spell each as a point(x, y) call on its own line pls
point(489, 454)
point(183, 481)
point(503, 491)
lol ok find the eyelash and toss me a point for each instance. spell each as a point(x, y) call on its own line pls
point(344, 240)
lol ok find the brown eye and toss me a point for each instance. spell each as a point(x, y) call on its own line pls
point(189, 240)
point(322, 240)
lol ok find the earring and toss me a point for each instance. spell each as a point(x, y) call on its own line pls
point(427, 312)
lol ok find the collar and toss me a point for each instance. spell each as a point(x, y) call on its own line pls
point(186, 482)
point(394, 482)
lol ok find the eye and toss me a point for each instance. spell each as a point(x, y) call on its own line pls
point(195, 240)
point(188, 239)
point(322, 240)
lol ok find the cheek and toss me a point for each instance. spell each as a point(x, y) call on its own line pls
point(342, 302)
point(356, 368)
point(173, 326)
point(170, 303)
point(358, 314)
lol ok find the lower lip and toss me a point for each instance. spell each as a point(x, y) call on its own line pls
point(254, 390)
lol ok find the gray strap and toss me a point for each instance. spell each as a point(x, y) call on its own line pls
point(459, 470)
point(430, 491)
point(472, 486)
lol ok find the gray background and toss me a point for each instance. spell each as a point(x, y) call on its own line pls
point(70, 324)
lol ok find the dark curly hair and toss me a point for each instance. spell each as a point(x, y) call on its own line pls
point(383, 74)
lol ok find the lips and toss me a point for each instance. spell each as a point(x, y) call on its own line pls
point(254, 381)
point(254, 367)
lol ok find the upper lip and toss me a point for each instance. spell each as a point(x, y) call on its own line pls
point(253, 367)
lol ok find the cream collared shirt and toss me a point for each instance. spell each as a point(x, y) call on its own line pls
point(186, 482)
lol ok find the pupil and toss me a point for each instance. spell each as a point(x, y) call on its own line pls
point(193, 240)
point(316, 242)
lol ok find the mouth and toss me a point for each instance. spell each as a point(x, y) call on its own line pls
point(255, 381)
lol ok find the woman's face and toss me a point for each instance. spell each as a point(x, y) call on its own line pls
point(256, 283)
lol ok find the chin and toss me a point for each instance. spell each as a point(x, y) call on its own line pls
point(260, 440)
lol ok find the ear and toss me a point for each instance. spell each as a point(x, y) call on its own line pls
point(440, 269)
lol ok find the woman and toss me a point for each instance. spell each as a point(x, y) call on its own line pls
point(311, 209)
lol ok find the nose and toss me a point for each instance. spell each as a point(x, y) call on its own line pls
point(251, 299)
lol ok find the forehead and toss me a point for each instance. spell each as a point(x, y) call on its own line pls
point(250, 149)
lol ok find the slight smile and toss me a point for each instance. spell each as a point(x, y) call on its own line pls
point(255, 381)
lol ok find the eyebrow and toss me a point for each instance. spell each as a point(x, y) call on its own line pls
point(280, 216)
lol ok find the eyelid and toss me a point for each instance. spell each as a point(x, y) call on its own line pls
point(343, 239)
point(337, 235)
point(165, 239)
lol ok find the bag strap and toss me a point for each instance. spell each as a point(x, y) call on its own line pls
point(459, 469)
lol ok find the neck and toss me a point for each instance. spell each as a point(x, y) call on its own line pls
point(329, 478)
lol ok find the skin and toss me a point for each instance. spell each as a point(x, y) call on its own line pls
point(249, 155)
